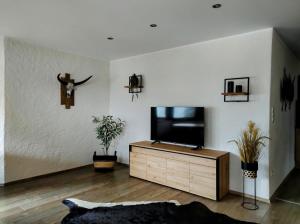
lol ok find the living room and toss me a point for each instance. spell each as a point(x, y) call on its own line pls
point(63, 63)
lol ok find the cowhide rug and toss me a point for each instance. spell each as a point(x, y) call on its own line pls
point(171, 212)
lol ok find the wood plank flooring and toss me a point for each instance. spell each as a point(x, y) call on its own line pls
point(289, 191)
point(39, 200)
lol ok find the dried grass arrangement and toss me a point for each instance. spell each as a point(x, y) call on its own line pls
point(250, 143)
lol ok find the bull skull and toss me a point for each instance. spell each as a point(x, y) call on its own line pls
point(67, 89)
point(70, 86)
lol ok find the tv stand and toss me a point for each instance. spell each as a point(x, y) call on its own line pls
point(202, 172)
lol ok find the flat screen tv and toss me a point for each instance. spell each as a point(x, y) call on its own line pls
point(184, 125)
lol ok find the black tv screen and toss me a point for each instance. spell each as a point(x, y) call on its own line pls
point(183, 125)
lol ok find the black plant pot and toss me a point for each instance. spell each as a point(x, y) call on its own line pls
point(250, 169)
point(104, 162)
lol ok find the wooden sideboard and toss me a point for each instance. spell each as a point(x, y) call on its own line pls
point(202, 172)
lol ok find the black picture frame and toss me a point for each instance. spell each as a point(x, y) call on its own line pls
point(244, 96)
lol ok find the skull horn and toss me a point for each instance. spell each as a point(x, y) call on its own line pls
point(61, 81)
point(83, 81)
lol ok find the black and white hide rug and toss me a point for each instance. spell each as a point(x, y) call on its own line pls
point(171, 212)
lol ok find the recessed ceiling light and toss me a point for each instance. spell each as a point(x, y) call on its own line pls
point(110, 38)
point(153, 25)
point(217, 6)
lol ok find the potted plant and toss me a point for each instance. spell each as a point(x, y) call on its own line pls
point(107, 129)
point(250, 145)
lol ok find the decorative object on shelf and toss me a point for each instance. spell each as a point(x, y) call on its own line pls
point(230, 86)
point(238, 88)
point(135, 85)
point(107, 130)
point(286, 90)
point(238, 95)
point(67, 87)
point(249, 146)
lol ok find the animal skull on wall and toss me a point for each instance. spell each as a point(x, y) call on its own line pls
point(287, 90)
point(67, 89)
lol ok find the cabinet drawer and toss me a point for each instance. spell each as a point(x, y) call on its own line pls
point(178, 174)
point(138, 165)
point(203, 161)
point(203, 190)
point(156, 169)
point(203, 171)
point(138, 157)
point(203, 180)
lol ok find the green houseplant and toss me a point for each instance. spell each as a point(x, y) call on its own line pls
point(107, 129)
point(250, 145)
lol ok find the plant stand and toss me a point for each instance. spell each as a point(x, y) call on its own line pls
point(250, 205)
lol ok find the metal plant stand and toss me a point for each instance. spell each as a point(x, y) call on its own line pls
point(250, 205)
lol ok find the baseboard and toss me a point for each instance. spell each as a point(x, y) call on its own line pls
point(274, 195)
point(43, 175)
point(250, 196)
point(51, 174)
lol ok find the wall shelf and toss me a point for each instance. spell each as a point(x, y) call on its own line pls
point(233, 95)
point(135, 87)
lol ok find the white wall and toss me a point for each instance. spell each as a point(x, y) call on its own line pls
point(193, 75)
point(282, 131)
point(2, 105)
point(41, 136)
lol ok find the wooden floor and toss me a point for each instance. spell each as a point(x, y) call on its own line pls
point(39, 200)
point(290, 190)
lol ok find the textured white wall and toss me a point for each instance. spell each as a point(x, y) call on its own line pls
point(41, 136)
point(282, 130)
point(2, 110)
point(193, 75)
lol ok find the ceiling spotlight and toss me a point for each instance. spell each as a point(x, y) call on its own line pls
point(110, 38)
point(217, 6)
point(153, 25)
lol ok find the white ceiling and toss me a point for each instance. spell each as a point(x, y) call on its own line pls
point(82, 26)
